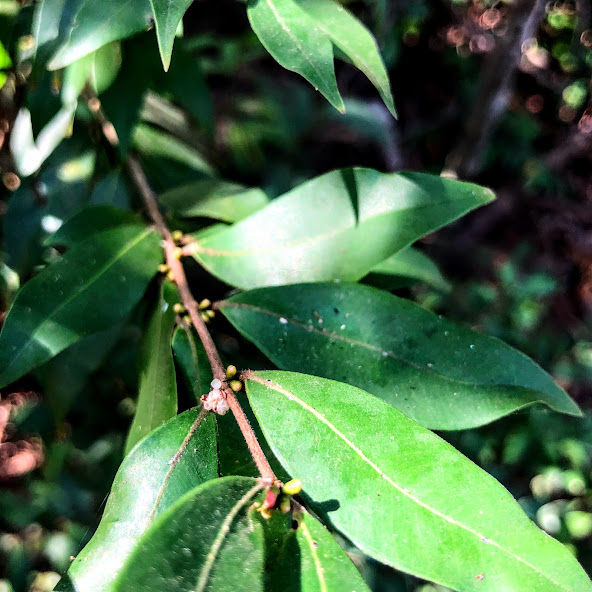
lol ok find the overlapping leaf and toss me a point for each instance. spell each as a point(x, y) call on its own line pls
point(300, 35)
point(87, 25)
point(89, 221)
point(308, 559)
point(157, 392)
point(95, 285)
point(407, 267)
point(440, 374)
point(212, 198)
point(158, 471)
point(208, 540)
point(403, 495)
point(337, 226)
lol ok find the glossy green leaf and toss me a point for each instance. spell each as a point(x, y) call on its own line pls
point(308, 559)
point(95, 285)
point(407, 267)
point(403, 495)
point(167, 16)
point(337, 226)
point(354, 40)
point(92, 24)
point(157, 389)
point(440, 374)
point(300, 35)
point(208, 540)
point(164, 466)
point(212, 198)
point(89, 221)
point(291, 36)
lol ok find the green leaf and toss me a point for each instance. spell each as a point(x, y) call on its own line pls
point(212, 198)
point(403, 495)
point(308, 559)
point(300, 35)
point(95, 285)
point(64, 377)
point(5, 61)
point(208, 540)
point(191, 357)
point(167, 16)
point(164, 466)
point(354, 40)
point(157, 390)
point(291, 36)
point(151, 141)
point(442, 375)
point(89, 221)
point(337, 226)
point(90, 25)
point(99, 69)
point(407, 267)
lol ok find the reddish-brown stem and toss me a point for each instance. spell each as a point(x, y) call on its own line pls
point(173, 254)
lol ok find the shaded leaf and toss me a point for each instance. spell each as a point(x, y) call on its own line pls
point(212, 198)
point(167, 16)
point(403, 495)
point(153, 142)
point(158, 471)
point(66, 376)
point(157, 389)
point(308, 559)
point(191, 358)
point(89, 221)
point(92, 287)
point(208, 540)
point(407, 267)
point(440, 374)
point(337, 226)
point(90, 25)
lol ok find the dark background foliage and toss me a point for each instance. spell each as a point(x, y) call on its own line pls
point(521, 269)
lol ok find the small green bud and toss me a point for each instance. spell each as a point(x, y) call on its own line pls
point(178, 308)
point(205, 303)
point(163, 268)
point(177, 235)
point(230, 371)
point(236, 385)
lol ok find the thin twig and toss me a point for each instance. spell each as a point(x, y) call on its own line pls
point(173, 254)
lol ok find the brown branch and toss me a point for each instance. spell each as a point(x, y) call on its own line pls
point(173, 254)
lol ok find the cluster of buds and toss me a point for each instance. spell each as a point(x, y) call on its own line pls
point(280, 499)
point(215, 400)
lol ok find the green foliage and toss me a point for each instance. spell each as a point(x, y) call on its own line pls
point(348, 378)
point(329, 239)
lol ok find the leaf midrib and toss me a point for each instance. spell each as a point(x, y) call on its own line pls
point(322, 418)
